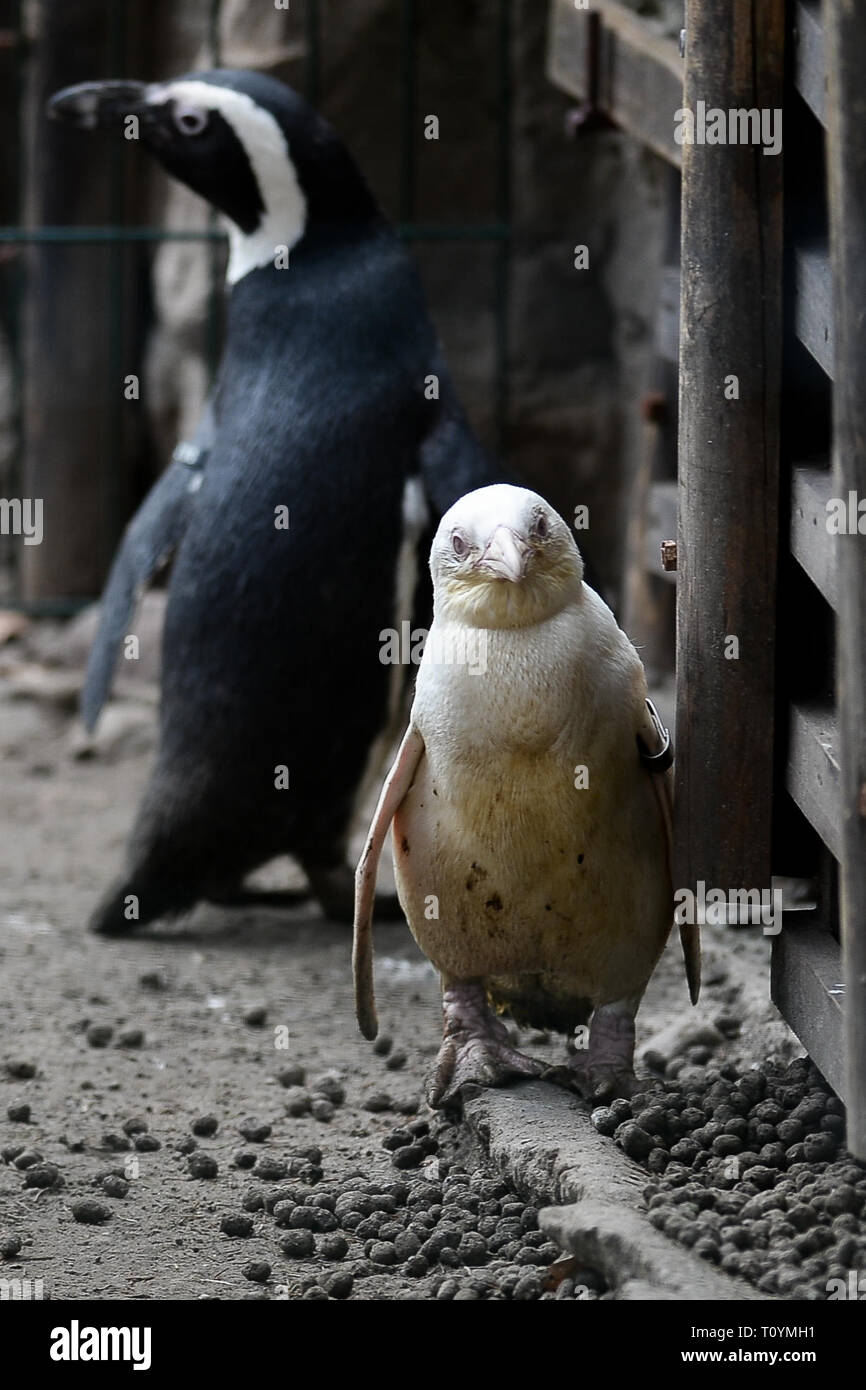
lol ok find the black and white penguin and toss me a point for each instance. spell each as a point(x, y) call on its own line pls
point(276, 706)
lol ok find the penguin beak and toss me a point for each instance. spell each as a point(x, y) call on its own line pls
point(92, 104)
point(505, 556)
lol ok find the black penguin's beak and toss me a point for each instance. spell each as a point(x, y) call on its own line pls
point(92, 104)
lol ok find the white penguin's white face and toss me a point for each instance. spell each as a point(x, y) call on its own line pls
point(502, 557)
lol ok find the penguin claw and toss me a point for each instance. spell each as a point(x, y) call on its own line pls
point(475, 1060)
point(599, 1083)
point(475, 1047)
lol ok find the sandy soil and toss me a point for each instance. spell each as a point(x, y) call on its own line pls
point(188, 987)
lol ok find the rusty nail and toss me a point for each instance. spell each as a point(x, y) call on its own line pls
point(669, 555)
point(588, 115)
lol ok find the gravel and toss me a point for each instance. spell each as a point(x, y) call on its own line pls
point(90, 1212)
point(749, 1170)
point(205, 1126)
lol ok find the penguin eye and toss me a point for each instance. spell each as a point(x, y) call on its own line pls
point(190, 120)
point(459, 545)
point(540, 528)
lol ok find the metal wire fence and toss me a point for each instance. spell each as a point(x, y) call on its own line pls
point(114, 235)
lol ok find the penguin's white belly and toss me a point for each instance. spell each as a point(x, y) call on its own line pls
point(507, 871)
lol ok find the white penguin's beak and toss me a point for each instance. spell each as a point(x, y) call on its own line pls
point(505, 555)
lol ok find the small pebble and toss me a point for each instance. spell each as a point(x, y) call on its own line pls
point(134, 1126)
point(378, 1103)
point(42, 1175)
point(412, 1156)
point(257, 1271)
point(270, 1168)
point(257, 1016)
point(99, 1034)
point(114, 1186)
point(257, 1131)
point(153, 979)
point(116, 1143)
point(146, 1143)
point(298, 1245)
point(21, 1070)
point(330, 1086)
point(205, 1126)
point(90, 1212)
point(333, 1247)
point(395, 1061)
point(339, 1284)
point(292, 1074)
point(298, 1101)
point(236, 1225)
point(131, 1038)
point(27, 1158)
point(9, 1245)
point(202, 1165)
point(19, 1114)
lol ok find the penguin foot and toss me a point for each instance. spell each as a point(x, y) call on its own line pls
point(606, 1069)
point(116, 914)
point(475, 1048)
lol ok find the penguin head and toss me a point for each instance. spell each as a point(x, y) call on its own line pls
point(245, 142)
point(502, 557)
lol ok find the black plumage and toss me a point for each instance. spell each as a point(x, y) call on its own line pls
point(271, 649)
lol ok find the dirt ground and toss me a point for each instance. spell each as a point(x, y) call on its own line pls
point(188, 988)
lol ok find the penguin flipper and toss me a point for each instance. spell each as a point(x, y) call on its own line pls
point(650, 734)
point(397, 784)
point(148, 541)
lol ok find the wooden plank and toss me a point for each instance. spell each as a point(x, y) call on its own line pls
point(811, 544)
point(807, 987)
point(649, 597)
point(82, 312)
point(809, 64)
point(731, 325)
point(812, 776)
point(846, 144)
point(640, 73)
point(813, 307)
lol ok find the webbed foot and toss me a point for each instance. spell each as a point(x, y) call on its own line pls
point(605, 1069)
point(475, 1047)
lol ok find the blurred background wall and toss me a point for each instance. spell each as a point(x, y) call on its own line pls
point(551, 361)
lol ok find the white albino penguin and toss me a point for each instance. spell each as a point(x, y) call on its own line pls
point(531, 804)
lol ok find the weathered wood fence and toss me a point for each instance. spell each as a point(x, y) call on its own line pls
point(770, 558)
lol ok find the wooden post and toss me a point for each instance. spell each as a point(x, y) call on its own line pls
point(649, 596)
point(730, 341)
point(81, 320)
point(846, 128)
